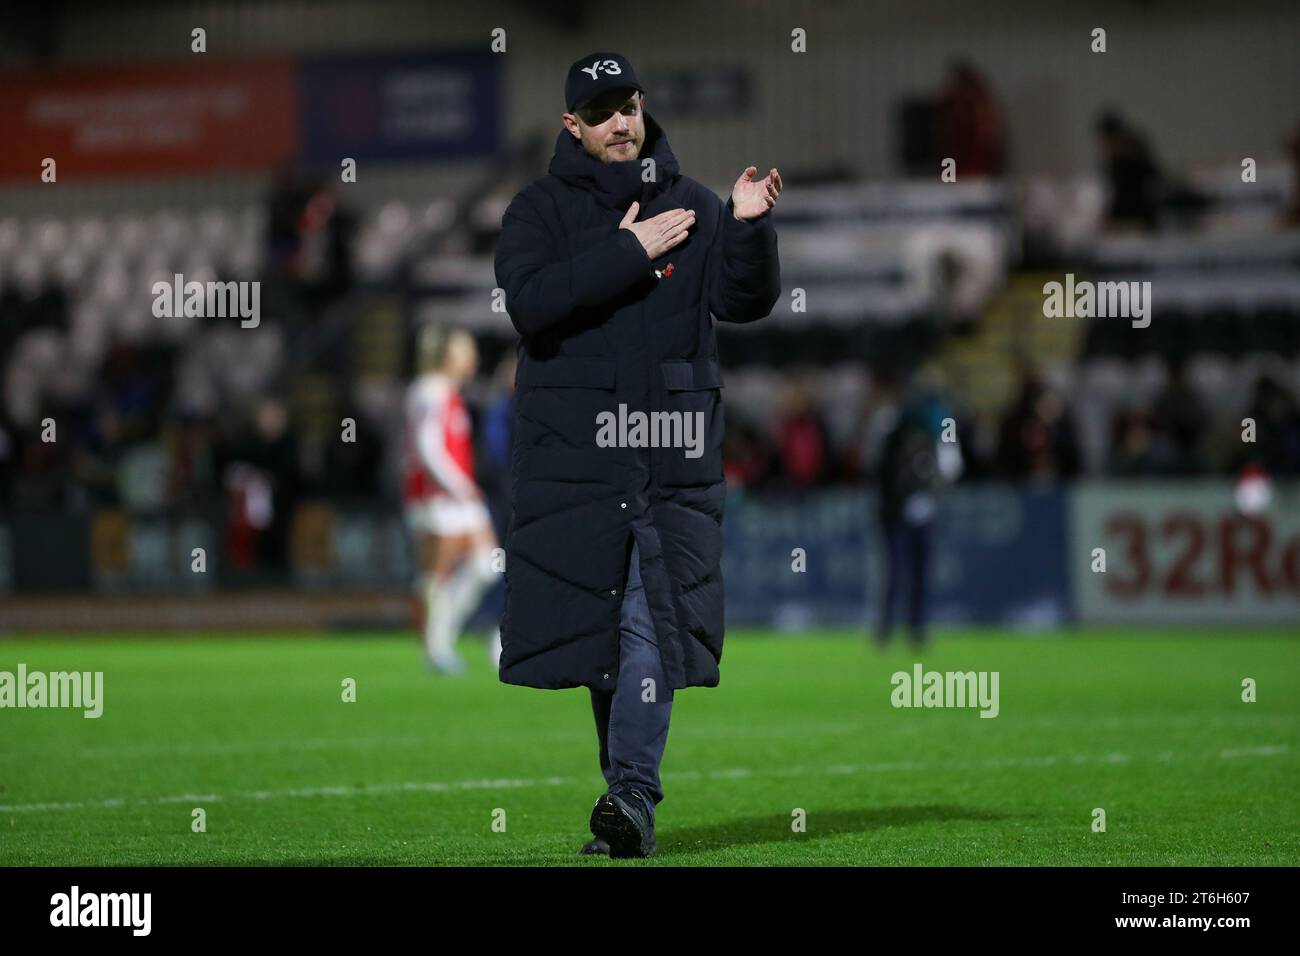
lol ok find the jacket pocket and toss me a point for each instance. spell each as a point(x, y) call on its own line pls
point(691, 375)
point(693, 400)
point(559, 405)
point(566, 371)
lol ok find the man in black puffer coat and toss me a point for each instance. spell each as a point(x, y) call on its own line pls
point(614, 266)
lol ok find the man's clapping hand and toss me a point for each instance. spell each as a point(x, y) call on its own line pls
point(660, 233)
point(750, 198)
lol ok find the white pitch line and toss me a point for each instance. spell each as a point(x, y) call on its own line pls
point(405, 740)
point(288, 745)
point(734, 773)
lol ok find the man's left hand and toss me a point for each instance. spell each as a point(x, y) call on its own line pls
point(751, 198)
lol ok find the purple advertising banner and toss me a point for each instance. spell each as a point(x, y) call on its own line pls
point(396, 108)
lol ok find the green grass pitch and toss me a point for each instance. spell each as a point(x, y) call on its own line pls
point(1150, 727)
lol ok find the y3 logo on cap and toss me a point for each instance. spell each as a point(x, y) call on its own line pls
point(609, 66)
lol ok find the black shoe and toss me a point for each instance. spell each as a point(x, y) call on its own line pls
point(624, 824)
point(595, 847)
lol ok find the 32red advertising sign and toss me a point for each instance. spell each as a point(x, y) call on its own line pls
point(1184, 553)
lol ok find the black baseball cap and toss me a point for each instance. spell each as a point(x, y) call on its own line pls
point(595, 73)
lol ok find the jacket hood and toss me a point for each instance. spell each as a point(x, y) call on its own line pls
point(616, 185)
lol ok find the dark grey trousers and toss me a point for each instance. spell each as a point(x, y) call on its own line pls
point(632, 719)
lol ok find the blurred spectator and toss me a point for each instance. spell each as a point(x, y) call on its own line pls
point(1132, 444)
point(191, 477)
point(290, 191)
point(959, 289)
point(1277, 430)
point(351, 468)
point(41, 468)
point(260, 475)
point(134, 385)
point(497, 440)
point(114, 460)
point(915, 463)
point(309, 236)
point(326, 229)
point(878, 419)
point(1036, 440)
point(803, 444)
point(970, 122)
point(1291, 215)
point(1132, 176)
point(1180, 422)
point(1140, 192)
point(96, 456)
point(8, 458)
point(747, 459)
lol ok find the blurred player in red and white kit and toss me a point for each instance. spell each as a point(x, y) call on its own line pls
point(444, 507)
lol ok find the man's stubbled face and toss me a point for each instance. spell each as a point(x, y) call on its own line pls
point(612, 126)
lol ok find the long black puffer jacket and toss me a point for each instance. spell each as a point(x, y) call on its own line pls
point(600, 329)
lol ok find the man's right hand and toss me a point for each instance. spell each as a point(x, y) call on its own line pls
point(660, 233)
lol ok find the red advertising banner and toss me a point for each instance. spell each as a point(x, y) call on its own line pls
point(176, 118)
